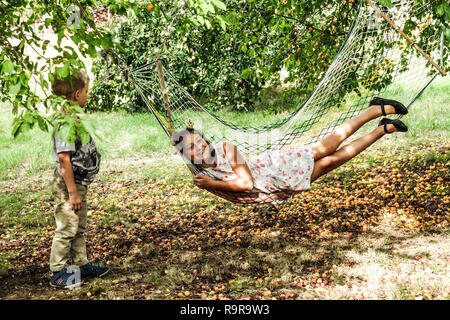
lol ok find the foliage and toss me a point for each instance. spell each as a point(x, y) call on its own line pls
point(200, 58)
point(226, 66)
point(227, 61)
point(20, 23)
point(227, 50)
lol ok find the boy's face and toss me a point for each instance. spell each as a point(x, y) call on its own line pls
point(81, 96)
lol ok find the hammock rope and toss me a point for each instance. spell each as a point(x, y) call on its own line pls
point(334, 100)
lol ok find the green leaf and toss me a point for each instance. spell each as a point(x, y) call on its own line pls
point(15, 109)
point(24, 127)
point(14, 88)
point(7, 67)
point(222, 22)
point(44, 82)
point(63, 132)
point(16, 126)
point(201, 19)
point(51, 78)
point(76, 39)
point(72, 134)
point(85, 137)
point(107, 43)
point(211, 8)
point(447, 12)
point(447, 34)
point(194, 21)
point(77, 108)
point(42, 124)
point(92, 52)
point(62, 72)
point(28, 118)
point(69, 119)
point(219, 4)
point(388, 3)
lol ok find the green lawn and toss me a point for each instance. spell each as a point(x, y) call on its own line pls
point(127, 139)
point(376, 228)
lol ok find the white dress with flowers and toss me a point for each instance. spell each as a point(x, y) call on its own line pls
point(273, 170)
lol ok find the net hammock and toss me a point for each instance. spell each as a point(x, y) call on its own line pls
point(356, 75)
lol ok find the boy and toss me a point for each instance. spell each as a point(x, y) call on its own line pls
point(77, 166)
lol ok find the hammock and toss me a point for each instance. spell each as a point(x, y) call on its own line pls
point(330, 104)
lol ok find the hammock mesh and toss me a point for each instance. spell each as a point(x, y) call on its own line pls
point(335, 99)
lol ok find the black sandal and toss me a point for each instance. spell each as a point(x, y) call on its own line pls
point(399, 107)
point(399, 125)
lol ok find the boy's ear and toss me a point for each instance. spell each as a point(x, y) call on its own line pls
point(76, 95)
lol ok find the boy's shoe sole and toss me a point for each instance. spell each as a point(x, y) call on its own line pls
point(103, 273)
point(72, 286)
point(97, 276)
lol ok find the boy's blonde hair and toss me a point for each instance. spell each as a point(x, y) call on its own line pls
point(60, 87)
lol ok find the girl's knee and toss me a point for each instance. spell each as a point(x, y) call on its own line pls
point(323, 166)
point(327, 162)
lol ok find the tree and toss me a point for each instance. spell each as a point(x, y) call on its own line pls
point(20, 21)
point(274, 41)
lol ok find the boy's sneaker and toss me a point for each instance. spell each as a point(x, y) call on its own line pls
point(90, 270)
point(64, 279)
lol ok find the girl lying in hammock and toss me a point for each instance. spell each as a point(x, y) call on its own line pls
point(274, 174)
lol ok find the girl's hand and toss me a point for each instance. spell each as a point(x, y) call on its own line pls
point(75, 201)
point(202, 181)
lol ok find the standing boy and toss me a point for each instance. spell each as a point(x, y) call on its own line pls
point(77, 165)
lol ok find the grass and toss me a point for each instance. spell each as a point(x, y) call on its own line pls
point(376, 228)
point(141, 138)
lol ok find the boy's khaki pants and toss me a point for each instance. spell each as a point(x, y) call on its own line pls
point(69, 243)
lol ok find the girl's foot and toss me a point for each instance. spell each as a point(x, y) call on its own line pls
point(391, 126)
point(389, 106)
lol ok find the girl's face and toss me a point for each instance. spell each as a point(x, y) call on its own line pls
point(200, 151)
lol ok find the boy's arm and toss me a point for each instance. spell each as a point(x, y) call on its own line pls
point(67, 173)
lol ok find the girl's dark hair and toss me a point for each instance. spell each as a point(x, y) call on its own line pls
point(180, 139)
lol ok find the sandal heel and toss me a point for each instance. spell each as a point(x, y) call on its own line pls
point(398, 124)
point(398, 106)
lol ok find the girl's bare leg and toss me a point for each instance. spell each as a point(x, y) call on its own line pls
point(330, 144)
point(328, 163)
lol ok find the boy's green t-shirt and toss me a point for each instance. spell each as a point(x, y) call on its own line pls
point(85, 158)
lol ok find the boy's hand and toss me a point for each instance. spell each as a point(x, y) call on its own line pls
point(75, 201)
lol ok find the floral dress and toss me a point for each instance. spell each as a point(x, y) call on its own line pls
point(273, 170)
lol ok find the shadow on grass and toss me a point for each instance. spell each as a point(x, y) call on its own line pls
point(166, 237)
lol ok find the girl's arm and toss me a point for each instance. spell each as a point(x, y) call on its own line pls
point(244, 181)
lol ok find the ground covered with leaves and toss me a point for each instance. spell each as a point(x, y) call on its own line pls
point(375, 229)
